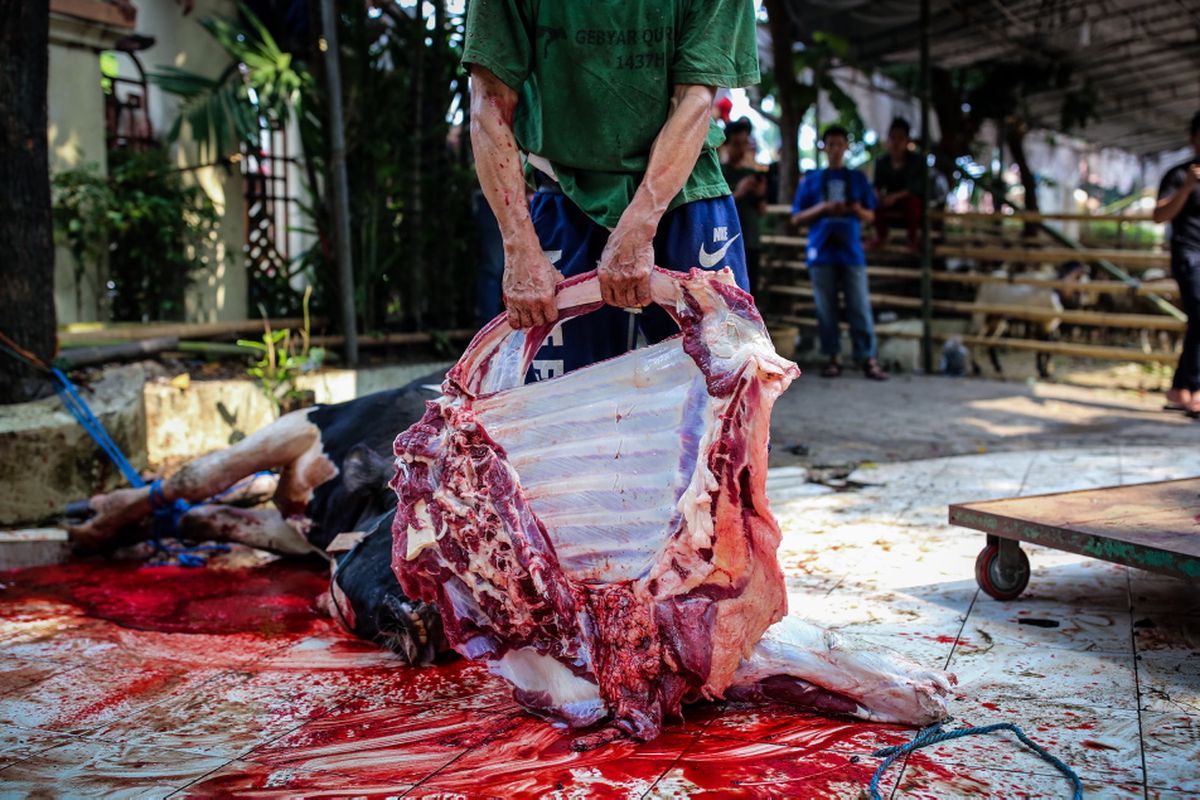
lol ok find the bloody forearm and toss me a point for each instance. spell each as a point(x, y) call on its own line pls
point(497, 159)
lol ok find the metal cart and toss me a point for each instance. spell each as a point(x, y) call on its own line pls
point(1151, 526)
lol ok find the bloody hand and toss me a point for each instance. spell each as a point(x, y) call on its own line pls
point(528, 287)
point(625, 266)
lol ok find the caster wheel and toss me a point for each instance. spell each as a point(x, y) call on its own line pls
point(987, 574)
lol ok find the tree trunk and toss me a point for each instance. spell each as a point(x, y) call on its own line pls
point(26, 241)
point(959, 129)
point(416, 297)
point(1014, 135)
point(790, 115)
point(338, 182)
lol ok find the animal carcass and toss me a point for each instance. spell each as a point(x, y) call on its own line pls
point(603, 539)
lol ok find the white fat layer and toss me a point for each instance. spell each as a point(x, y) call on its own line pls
point(505, 368)
point(889, 686)
point(423, 535)
point(533, 672)
point(604, 456)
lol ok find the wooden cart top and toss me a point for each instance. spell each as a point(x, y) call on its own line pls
point(1150, 525)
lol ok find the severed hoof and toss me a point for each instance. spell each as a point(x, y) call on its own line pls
point(411, 629)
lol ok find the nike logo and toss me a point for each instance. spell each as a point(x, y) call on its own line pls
point(710, 260)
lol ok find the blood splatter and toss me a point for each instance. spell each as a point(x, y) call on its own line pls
point(1092, 744)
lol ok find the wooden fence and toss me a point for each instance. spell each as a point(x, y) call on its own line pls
point(790, 294)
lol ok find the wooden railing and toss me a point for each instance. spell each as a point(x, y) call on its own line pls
point(1160, 288)
point(1068, 349)
point(999, 244)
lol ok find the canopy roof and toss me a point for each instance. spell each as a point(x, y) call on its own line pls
point(1142, 57)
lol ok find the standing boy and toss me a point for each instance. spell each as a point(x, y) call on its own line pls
point(834, 202)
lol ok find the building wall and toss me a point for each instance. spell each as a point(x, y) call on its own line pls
point(219, 291)
point(75, 109)
point(77, 137)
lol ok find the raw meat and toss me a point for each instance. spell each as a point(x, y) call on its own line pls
point(603, 539)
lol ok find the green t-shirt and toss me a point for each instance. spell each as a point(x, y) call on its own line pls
point(594, 82)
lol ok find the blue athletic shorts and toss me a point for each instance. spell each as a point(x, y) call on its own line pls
point(703, 233)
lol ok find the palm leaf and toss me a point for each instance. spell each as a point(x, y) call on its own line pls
point(221, 112)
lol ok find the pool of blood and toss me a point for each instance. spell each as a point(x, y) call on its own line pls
point(447, 730)
point(275, 599)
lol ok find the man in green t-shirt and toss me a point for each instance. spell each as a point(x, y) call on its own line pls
point(605, 106)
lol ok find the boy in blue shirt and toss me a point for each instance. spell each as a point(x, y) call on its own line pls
point(834, 202)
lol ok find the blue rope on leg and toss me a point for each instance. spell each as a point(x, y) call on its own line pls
point(935, 735)
point(165, 524)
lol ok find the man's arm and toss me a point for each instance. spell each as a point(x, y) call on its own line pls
point(862, 212)
point(877, 181)
point(815, 211)
point(529, 277)
point(628, 256)
point(803, 209)
point(751, 186)
point(1170, 205)
point(864, 203)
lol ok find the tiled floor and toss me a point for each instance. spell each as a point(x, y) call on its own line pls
point(125, 682)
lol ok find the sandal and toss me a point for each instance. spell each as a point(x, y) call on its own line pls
point(873, 371)
point(832, 370)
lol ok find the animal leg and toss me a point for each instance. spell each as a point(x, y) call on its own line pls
point(264, 529)
point(279, 444)
point(994, 356)
point(1043, 365)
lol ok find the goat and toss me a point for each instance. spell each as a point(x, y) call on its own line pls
point(994, 326)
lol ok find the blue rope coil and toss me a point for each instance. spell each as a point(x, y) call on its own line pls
point(935, 735)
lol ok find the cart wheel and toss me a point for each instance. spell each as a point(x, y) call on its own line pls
point(987, 574)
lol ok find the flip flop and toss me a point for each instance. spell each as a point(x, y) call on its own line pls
point(831, 370)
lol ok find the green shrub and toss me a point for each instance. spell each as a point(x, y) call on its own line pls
point(141, 227)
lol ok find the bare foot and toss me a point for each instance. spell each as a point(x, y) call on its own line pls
point(1180, 397)
point(110, 513)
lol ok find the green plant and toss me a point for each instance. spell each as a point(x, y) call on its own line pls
point(260, 85)
point(404, 91)
point(282, 361)
point(140, 228)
